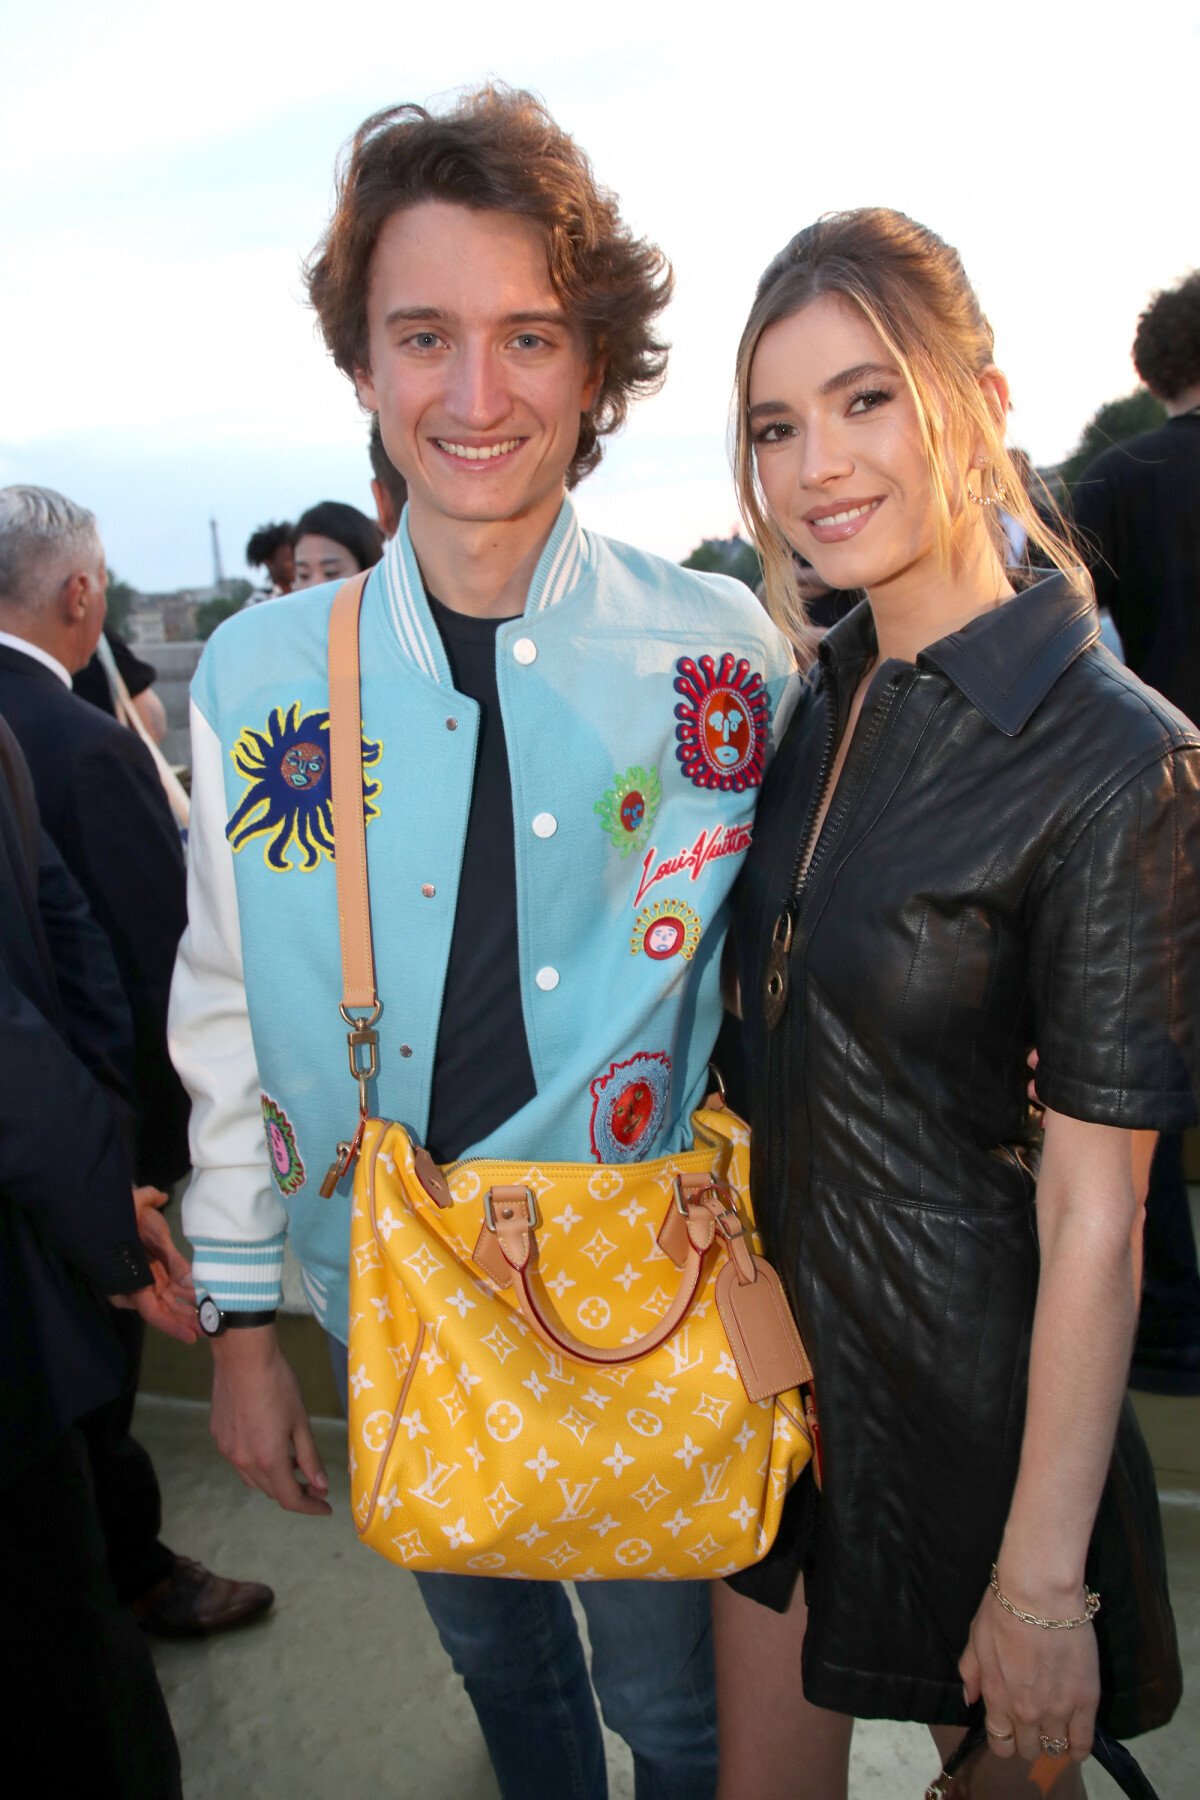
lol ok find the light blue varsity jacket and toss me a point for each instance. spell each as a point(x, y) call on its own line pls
point(640, 701)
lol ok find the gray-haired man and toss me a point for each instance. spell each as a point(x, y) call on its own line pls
point(103, 806)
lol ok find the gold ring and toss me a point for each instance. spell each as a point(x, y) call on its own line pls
point(1054, 1746)
point(1001, 1737)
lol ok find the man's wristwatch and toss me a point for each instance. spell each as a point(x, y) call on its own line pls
point(214, 1323)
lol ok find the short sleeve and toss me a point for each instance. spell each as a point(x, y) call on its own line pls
point(1115, 957)
point(137, 674)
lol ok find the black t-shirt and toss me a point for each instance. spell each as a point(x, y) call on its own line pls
point(91, 683)
point(482, 1073)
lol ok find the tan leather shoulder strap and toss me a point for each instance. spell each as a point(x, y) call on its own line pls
point(346, 789)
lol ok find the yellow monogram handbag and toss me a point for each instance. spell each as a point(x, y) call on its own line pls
point(556, 1369)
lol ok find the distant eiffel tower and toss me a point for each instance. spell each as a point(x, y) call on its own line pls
point(218, 571)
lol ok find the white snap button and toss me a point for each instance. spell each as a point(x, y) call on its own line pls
point(547, 979)
point(525, 651)
point(545, 825)
point(428, 890)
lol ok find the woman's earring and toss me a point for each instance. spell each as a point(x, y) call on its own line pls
point(996, 498)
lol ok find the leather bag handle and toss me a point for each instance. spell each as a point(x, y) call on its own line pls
point(506, 1249)
point(346, 792)
point(1108, 1751)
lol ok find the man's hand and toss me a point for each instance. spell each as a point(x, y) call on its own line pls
point(158, 1243)
point(259, 1422)
point(169, 1304)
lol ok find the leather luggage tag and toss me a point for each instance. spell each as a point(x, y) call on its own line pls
point(763, 1338)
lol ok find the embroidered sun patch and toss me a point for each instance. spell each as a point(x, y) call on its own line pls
point(629, 808)
point(287, 1168)
point(628, 1106)
point(721, 737)
point(288, 799)
point(666, 929)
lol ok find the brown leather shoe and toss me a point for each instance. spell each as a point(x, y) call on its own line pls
point(191, 1602)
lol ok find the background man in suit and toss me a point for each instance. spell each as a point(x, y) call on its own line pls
point(1137, 510)
point(104, 809)
point(80, 1688)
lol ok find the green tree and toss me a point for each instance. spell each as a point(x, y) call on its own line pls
point(120, 596)
point(727, 556)
point(211, 613)
point(1115, 420)
point(239, 590)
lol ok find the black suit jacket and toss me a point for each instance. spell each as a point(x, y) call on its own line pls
point(103, 805)
point(1137, 513)
point(67, 1230)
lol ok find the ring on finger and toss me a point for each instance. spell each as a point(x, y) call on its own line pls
point(1054, 1746)
point(994, 1731)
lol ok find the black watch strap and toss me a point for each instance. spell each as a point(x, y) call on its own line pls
point(213, 1322)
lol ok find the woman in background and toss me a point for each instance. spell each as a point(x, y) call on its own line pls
point(980, 834)
point(332, 541)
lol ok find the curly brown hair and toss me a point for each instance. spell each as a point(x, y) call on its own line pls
point(1166, 350)
point(499, 150)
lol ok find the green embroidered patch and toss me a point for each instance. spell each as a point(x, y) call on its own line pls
point(287, 1167)
point(629, 808)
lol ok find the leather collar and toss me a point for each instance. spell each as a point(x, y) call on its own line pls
point(1004, 662)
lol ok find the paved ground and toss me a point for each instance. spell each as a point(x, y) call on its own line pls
point(277, 1711)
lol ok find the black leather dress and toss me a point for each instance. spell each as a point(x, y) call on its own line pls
point(1011, 858)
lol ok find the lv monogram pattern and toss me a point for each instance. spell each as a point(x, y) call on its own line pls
point(476, 1449)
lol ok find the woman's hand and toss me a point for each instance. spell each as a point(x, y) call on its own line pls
point(1035, 1683)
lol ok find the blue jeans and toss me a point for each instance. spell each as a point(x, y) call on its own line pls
point(518, 1650)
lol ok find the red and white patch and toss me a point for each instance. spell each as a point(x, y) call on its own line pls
point(666, 929)
point(724, 723)
point(693, 859)
point(629, 1104)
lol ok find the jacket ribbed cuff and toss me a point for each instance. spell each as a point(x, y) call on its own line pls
point(240, 1277)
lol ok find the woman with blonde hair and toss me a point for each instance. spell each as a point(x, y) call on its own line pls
point(980, 835)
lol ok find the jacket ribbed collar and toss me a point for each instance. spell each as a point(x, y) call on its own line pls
point(560, 568)
point(1004, 662)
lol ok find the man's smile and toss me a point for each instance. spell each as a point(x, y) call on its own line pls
point(478, 452)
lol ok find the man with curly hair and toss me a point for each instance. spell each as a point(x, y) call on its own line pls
point(534, 797)
point(1137, 509)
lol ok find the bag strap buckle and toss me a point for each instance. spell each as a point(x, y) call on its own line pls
point(362, 1044)
point(533, 1217)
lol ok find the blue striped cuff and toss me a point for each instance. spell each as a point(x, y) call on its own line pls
point(240, 1277)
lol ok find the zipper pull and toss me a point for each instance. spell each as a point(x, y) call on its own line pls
point(775, 988)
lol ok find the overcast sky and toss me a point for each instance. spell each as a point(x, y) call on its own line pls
point(163, 170)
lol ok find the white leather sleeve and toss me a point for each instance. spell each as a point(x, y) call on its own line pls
point(231, 1213)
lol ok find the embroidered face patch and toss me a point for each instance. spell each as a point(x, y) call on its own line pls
point(666, 929)
point(724, 719)
point(287, 1168)
point(628, 1106)
point(629, 808)
point(288, 799)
